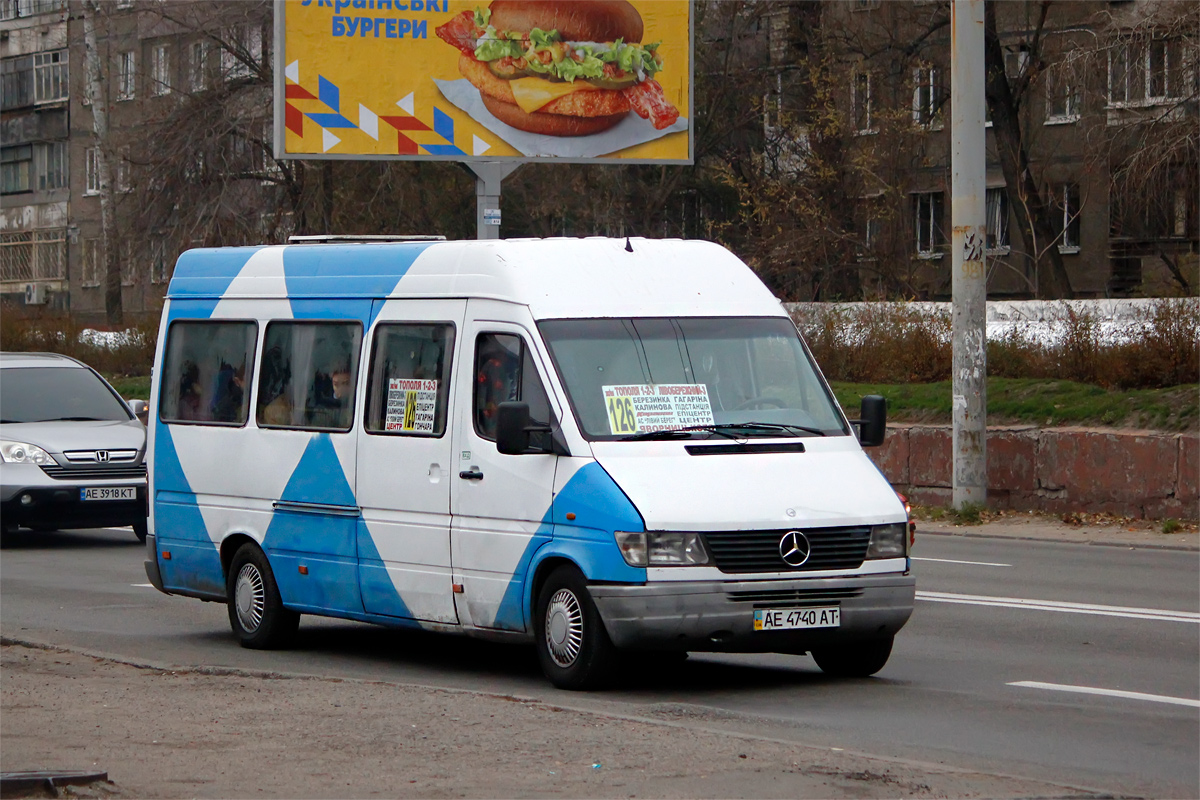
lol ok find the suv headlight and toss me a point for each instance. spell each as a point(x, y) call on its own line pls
point(22, 453)
point(888, 541)
point(662, 549)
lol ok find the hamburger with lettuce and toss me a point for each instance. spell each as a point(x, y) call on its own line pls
point(560, 67)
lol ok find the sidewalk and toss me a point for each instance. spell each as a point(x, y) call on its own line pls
point(1083, 529)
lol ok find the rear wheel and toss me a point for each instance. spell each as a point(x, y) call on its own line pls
point(256, 612)
point(572, 644)
point(856, 660)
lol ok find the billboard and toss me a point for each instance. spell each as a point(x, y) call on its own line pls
point(604, 81)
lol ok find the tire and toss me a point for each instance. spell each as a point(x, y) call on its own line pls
point(857, 660)
point(256, 612)
point(572, 645)
point(141, 530)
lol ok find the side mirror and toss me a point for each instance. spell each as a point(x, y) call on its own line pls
point(512, 428)
point(141, 410)
point(872, 425)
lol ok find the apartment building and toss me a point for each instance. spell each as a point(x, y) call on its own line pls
point(1108, 115)
point(184, 88)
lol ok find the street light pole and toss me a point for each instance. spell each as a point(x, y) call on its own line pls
point(968, 246)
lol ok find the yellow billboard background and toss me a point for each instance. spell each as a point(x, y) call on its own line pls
point(358, 80)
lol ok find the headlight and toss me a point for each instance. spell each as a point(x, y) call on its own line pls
point(662, 549)
point(888, 541)
point(21, 453)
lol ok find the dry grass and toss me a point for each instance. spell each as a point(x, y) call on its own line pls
point(41, 331)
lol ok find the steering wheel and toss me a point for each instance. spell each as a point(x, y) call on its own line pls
point(761, 402)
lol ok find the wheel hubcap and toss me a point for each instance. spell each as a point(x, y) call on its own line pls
point(250, 598)
point(564, 627)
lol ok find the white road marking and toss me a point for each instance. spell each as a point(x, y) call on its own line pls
point(143, 585)
point(1153, 698)
point(972, 563)
point(1063, 607)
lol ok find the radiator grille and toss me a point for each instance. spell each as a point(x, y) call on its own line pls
point(94, 473)
point(758, 551)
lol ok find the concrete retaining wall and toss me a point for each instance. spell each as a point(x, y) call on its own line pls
point(1131, 473)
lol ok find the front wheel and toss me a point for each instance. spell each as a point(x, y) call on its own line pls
point(256, 612)
point(141, 530)
point(572, 644)
point(856, 660)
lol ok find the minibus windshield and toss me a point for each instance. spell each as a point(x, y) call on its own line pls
point(737, 377)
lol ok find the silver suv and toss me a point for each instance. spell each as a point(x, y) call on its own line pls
point(71, 450)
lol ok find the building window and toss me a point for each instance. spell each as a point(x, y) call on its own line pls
point(996, 208)
point(1063, 97)
point(861, 88)
point(92, 161)
point(92, 258)
point(122, 176)
point(929, 95)
point(126, 75)
point(928, 209)
point(50, 166)
point(16, 82)
point(1066, 216)
point(14, 9)
point(160, 70)
point(1146, 71)
point(50, 76)
point(16, 168)
point(868, 238)
point(245, 47)
point(158, 261)
point(199, 66)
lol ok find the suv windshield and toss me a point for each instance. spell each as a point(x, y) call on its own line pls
point(44, 394)
point(726, 376)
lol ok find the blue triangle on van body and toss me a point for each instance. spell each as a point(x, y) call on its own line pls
point(208, 272)
point(345, 271)
point(196, 562)
point(319, 477)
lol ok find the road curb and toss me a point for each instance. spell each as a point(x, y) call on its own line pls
point(26, 783)
point(1173, 547)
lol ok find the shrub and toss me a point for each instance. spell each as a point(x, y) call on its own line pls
point(911, 343)
point(124, 353)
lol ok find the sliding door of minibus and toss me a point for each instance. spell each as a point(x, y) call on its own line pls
point(501, 503)
point(405, 462)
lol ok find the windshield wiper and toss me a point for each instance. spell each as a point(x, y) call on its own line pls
point(730, 430)
point(771, 427)
point(74, 419)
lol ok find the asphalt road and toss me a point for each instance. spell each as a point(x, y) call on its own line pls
point(1062, 662)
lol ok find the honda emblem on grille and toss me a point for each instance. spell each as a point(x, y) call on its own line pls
point(794, 548)
point(102, 456)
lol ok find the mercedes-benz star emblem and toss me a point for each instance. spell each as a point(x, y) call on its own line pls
point(794, 548)
point(102, 456)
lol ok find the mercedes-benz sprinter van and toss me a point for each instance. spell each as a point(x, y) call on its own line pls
point(597, 445)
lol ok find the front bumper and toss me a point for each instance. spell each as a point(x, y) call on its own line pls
point(60, 506)
point(718, 616)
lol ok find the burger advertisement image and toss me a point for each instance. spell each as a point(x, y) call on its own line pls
point(472, 80)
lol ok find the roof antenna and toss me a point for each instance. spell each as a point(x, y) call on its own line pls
point(628, 246)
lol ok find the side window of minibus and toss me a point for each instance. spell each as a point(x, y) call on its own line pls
point(408, 385)
point(206, 372)
point(309, 373)
point(504, 371)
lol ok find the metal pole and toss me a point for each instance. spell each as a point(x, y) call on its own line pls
point(969, 244)
point(489, 175)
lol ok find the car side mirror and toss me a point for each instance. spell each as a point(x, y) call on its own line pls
point(141, 410)
point(872, 425)
point(513, 428)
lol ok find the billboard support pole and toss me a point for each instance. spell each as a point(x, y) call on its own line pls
point(969, 280)
point(488, 177)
